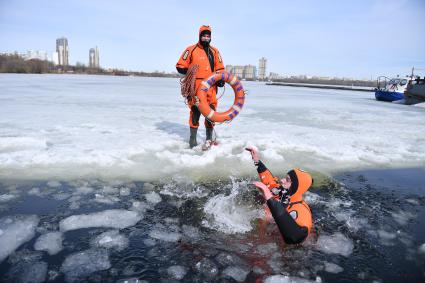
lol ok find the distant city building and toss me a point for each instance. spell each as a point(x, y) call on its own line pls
point(36, 54)
point(94, 58)
point(63, 51)
point(250, 72)
point(274, 76)
point(262, 66)
point(238, 71)
point(243, 72)
point(15, 53)
point(55, 58)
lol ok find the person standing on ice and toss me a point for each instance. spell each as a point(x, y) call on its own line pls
point(284, 199)
point(207, 60)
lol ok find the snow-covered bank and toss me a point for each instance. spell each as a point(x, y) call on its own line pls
point(66, 127)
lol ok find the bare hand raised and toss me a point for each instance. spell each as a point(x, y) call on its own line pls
point(267, 194)
point(254, 154)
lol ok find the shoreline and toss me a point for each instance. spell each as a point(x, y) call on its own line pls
point(355, 88)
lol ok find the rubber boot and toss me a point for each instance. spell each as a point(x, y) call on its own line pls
point(209, 134)
point(192, 139)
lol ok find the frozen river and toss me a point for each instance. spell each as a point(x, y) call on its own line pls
point(67, 127)
point(97, 183)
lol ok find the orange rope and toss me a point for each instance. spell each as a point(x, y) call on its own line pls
point(187, 83)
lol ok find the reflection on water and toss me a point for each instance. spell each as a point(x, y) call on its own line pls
point(203, 232)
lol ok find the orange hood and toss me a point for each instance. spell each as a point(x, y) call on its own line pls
point(204, 28)
point(301, 182)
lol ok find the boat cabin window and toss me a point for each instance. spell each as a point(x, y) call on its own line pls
point(394, 81)
point(403, 82)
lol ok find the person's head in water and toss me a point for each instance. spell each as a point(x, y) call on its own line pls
point(205, 36)
point(297, 182)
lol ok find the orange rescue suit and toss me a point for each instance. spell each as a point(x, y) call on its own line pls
point(196, 54)
point(298, 209)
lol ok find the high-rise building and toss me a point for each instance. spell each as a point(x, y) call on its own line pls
point(249, 72)
point(262, 65)
point(62, 50)
point(55, 58)
point(237, 71)
point(94, 58)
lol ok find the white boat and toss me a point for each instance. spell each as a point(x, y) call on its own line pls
point(415, 91)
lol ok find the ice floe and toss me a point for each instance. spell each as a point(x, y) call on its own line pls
point(153, 197)
point(207, 268)
point(106, 199)
point(333, 268)
point(14, 231)
point(177, 271)
point(161, 232)
point(110, 240)
point(79, 265)
point(125, 191)
point(139, 206)
point(113, 218)
point(352, 222)
point(335, 244)
point(402, 217)
point(7, 197)
point(237, 273)
point(287, 279)
point(227, 259)
point(50, 242)
point(386, 237)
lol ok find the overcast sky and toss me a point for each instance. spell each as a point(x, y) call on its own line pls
point(360, 39)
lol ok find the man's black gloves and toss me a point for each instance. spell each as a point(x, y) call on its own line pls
point(220, 83)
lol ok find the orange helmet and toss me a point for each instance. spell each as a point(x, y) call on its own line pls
point(301, 182)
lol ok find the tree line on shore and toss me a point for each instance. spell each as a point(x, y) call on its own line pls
point(14, 63)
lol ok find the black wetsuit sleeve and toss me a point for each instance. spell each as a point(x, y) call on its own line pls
point(182, 71)
point(291, 232)
point(261, 167)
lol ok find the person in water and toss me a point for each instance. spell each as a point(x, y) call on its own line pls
point(284, 199)
point(209, 61)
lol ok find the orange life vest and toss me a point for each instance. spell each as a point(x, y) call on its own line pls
point(297, 208)
point(195, 54)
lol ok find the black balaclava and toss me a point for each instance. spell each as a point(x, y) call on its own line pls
point(205, 44)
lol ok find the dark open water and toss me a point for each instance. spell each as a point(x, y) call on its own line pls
point(370, 228)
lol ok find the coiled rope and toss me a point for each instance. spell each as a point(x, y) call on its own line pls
point(187, 83)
